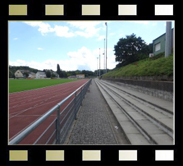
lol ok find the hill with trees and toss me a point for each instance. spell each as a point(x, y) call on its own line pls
point(13, 69)
point(50, 73)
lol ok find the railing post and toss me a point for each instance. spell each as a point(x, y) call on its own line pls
point(75, 105)
point(84, 90)
point(81, 96)
point(58, 126)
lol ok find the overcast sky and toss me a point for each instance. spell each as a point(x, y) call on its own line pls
point(72, 44)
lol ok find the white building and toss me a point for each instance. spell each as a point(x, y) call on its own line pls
point(40, 74)
point(21, 73)
point(32, 75)
point(80, 76)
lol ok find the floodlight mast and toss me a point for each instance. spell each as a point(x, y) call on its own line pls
point(99, 61)
point(106, 46)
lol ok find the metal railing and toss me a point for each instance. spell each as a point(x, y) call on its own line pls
point(57, 130)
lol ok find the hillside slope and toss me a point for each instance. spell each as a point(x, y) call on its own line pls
point(147, 67)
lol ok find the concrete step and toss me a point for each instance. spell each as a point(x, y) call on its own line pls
point(152, 131)
point(159, 102)
point(161, 118)
point(131, 132)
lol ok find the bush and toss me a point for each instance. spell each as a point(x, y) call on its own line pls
point(53, 75)
point(162, 54)
point(142, 56)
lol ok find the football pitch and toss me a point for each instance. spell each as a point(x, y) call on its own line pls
point(18, 85)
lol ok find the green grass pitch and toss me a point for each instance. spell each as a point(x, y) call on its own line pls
point(17, 85)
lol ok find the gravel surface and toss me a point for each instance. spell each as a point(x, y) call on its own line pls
point(92, 125)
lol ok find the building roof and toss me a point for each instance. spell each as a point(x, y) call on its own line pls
point(161, 36)
point(72, 77)
point(32, 73)
point(40, 72)
point(24, 71)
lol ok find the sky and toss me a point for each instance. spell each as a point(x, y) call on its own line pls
point(74, 45)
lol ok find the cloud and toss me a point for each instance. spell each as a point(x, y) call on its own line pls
point(82, 59)
point(48, 64)
point(39, 48)
point(42, 27)
point(15, 38)
point(62, 31)
point(81, 28)
point(18, 62)
point(86, 28)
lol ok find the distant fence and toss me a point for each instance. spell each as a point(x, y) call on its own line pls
point(57, 130)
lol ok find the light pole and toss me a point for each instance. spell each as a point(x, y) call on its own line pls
point(97, 66)
point(104, 55)
point(99, 61)
point(106, 46)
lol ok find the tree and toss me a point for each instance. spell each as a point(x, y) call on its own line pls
point(64, 74)
point(48, 74)
point(129, 49)
point(61, 75)
point(58, 70)
point(26, 74)
point(53, 75)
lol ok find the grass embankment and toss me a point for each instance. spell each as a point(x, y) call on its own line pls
point(18, 85)
point(147, 67)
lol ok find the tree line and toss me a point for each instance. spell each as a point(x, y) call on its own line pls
point(63, 74)
point(50, 73)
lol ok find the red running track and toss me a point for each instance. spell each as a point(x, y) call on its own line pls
point(28, 106)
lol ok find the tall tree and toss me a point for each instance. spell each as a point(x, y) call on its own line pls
point(58, 70)
point(48, 74)
point(128, 49)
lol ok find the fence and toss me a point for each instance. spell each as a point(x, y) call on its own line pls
point(64, 114)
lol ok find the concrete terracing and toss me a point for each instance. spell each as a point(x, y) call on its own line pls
point(119, 115)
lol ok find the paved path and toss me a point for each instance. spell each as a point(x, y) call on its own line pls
point(93, 125)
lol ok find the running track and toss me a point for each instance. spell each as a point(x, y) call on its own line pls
point(28, 106)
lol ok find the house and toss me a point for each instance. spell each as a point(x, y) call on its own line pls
point(159, 43)
point(51, 72)
point(21, 73)
point(72, 77)
point(18, 74)
point(55, 74)
point(80, 76)
point(40, 74)
point(32, 75)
